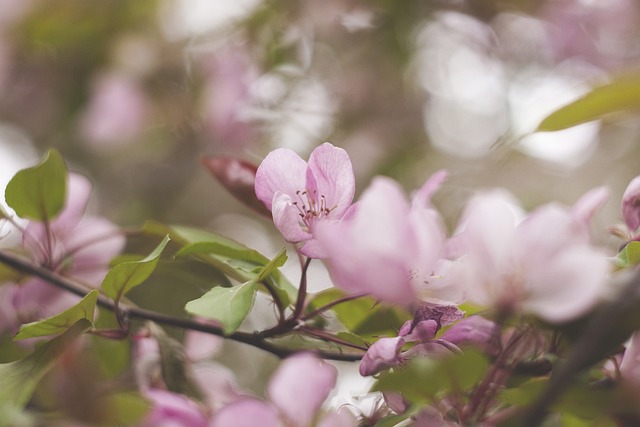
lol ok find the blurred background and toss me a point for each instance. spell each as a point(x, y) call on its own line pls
point(134, 93)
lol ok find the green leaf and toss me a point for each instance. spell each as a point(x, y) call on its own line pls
point(622, 94)
point(18, 380)
point(127, 275)
point(230, 257)
point(424, 378)
point(39, 192)
point(61, 322)
point(230, 306)
point(125, 408)
point(362, 316)
point(629, 256)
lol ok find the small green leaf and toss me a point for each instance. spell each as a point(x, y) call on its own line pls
point(629, 256)
point(61, 322)
point(127, 275)
point(362, 316)
point(18, 380)
point(39, 192)
point(230, 257)
point(424, 378)
point(125, 408)
point(230, 306)
point(622, 94)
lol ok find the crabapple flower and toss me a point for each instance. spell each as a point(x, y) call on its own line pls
point(387, 247)
point(296, 392)
point(301, 195)
point(543, 265)
point(73, 245)
point(172, 410)
point(631, 206)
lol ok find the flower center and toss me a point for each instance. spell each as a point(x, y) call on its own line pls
point(311, 207)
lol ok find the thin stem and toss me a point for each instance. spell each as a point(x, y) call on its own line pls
point(131, 312)
point(302, 290)
point(332, 304)
point(329, 337)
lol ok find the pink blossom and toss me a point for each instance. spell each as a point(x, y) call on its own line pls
point(301, 195)
point(388, 248)
point(296, 393)
point(631, 205)
point(543, 265)
point(173, 410)
point(73, 245)
point(116, 113)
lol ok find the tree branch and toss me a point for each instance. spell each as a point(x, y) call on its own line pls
point(254, 339)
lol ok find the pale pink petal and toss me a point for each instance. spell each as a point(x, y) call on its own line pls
point(282, 170)
point(630, 365)
point(333, 175)
point(383, 354)
point(342, 418)
point(567, 285)
point(589, 204)
point(313, 249)
point(172, 409)
point(631, 205)
point(300, 386)
point(201, 346)
point(247, 413)
point(217, 383)
point(286, 217)
point(423, 330)
point(422, 198)
point(78, 193)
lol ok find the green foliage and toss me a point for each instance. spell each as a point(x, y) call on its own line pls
point(228, 256)
point(129, 274)
point(39, 192)
point(176, 371)
point(60, 322)
point(18, 380)
point(629, 256)
point(422, 379)
point(230, 306)
point(364, 316)
point(620, 95)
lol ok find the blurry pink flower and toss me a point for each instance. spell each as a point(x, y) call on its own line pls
point(631, 206)
point(73, 245)
point(630, 365)
point(543, 265)
point(172, 410)
point(296, 391)
point(387, 248)
point(116, 113)
point(225, 98)
point(300, 196)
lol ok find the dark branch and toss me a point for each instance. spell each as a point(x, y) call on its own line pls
point(254, 339)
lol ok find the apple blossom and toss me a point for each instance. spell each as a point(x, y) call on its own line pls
point(631, 206)
point(301, 195)
point(543, 265)
point(388, 248)
point(71, 244)
point(296, 393)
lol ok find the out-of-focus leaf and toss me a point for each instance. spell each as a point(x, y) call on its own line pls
point(61, 322)
point(125, 408)
point(174, 363)
point(362, 316)
point(622, 94)
point(230, 306)
point(524, 394)
point(230, 257)
point(629, 256)
point(125, 276)
point(39, 192)
point(8, 274)
point(394, 420)
point(18, 380)
point(238, 177)
point(424, 378)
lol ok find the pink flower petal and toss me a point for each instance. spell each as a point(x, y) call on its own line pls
point(247, 413)
point(382, 354)
point(286, 217)
point(589, 204)
point(300, 386)
point(631, 205)
point(333, 175)
point(342, 418)
point(282, 170)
